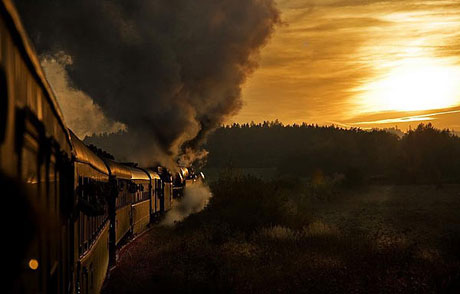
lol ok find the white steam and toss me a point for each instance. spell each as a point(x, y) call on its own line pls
point(82, 115)
point(196, 198)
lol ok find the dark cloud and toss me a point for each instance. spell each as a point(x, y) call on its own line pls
point(171, 71)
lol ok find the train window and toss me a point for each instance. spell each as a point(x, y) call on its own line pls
point(132, 188)
point(3, 104)
point(29, 164)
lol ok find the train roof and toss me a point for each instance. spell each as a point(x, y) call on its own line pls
point(118, 170)
point(21, 39)
point(153, 174)
point(83, 154)
point(139, 174)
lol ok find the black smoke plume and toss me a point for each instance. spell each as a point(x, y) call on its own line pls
point(170, 70)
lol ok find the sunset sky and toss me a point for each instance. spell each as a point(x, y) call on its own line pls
point(367, 63)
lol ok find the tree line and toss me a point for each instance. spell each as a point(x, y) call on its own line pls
point(422, 155)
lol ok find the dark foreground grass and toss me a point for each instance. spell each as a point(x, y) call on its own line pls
point(291, 236)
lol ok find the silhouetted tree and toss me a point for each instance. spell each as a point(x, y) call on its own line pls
point(422, 155)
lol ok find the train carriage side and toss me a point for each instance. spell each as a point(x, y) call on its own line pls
point(35, 151)
point(167, 189)
point(156, 194)
point(142, 200)
point(120, 200)
point(91, 178)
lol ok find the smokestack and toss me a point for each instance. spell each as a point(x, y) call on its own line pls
point(170, 71)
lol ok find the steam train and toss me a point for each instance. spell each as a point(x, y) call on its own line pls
point(85, 207)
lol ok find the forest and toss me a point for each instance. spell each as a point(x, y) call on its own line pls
point(424, 155)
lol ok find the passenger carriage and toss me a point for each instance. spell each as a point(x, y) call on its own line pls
point(35, 150)
point(142, 188)
point(130, 202)
point(120, 200)
point(91, 178)
point(166, 199)
point(156, 194)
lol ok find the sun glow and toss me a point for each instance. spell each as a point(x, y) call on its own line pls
point(413, 84)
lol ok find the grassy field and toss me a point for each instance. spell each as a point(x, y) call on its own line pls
point(289, 235)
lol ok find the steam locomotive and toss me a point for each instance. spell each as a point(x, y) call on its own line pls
point(85, 207)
